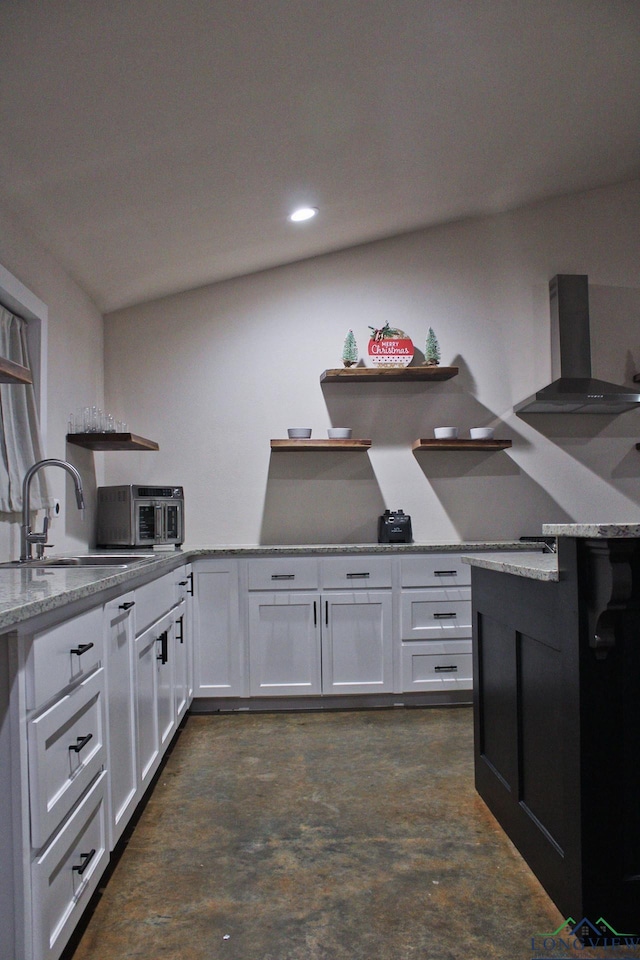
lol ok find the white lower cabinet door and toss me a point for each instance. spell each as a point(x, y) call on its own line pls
point(165, 663)
point(121, 715)
point(218, 650)
point(181, 680)
point(284, 645)
point(146, 696)
point(67, 873)
point(357, 647)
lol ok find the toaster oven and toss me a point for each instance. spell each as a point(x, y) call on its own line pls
point(133, 515)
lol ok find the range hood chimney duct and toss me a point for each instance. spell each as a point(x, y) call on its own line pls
point(573, 389)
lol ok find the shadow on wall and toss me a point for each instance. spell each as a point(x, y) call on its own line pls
point(321, 497)
point(488, 496)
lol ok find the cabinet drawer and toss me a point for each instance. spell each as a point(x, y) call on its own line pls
point(355, 571)
point(154, 599)
point(67, 873)
point(434, 570)
point(62, 656)
point(424, 670)
point(66, 752)
point(286, 573)
point(432, 615)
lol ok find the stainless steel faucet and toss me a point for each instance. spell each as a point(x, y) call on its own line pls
point(27, 536)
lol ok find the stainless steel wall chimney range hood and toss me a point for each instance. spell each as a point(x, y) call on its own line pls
point(574, 390)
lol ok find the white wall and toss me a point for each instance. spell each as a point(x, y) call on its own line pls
point(214, 373)
point(75, 379)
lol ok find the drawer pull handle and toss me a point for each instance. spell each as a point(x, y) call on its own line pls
point(182, 583)
point(450, 668)
point(445, 573)
point(80, 743)
point(180, 624)
point(86, 860)
point(81, 648)
point(127, 605)
point(358, 576)
point(445, 616)
point(283, 576)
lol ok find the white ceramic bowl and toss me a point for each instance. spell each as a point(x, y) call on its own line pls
point(445, 433)
point(339, 433)
point(299, 433)
point(481, 433)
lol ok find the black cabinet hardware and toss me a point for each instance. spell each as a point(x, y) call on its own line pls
point(180, 626)
point(283, 576)
point(81, 648)
point(80, 743)
point(86, 860)
point(445, 573)
point(450, 668)
point(315, 613)
point(190, 579)
point(445, 616)
point(358, 576)
point(127, 605)
point(163, 640)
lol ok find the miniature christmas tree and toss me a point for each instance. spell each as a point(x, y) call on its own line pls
point(432, 350)
point(350, 350)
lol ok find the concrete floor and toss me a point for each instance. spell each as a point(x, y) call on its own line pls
point(320, 836)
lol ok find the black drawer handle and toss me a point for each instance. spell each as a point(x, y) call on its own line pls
point(283, 576)
point(445, 616)
point(127, 605)
point(81, 648)
point(450, 668)
point(183, 583)
point(180, 624)
point(358, 576)
point(445, 573)
point(80, 743)
point(86, 860)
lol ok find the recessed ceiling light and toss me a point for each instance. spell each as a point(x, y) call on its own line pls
point(303, 213)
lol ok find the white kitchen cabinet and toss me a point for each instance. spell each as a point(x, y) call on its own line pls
point(181, 651)
point(123, 791)
point(329, 641)
point(154, 695)
point(218, 647)
point(64, 724)
point(435, 623)
point(357, 643)
point(67, 872)
point(284, 644)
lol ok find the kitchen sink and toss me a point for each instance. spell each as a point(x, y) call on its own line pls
point(121, 560)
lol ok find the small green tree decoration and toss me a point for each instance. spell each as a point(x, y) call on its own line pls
point(432, 350)
point(350, 350)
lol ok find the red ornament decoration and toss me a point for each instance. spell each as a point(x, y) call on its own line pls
point(390, 347)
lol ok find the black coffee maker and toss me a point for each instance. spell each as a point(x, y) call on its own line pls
point(394, 526)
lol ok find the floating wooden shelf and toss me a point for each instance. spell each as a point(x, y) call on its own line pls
point(111, 441)
point(461, 445)
point(320, 444)
point(11, 372)
point(396, 374)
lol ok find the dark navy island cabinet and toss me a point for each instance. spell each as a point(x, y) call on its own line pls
point(557, 723)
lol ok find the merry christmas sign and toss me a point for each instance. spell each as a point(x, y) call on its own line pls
point(390, 347)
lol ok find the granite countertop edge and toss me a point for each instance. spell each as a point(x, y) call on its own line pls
point(26, 593)
point(534, 566)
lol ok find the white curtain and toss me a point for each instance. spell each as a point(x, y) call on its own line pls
point(20, 441)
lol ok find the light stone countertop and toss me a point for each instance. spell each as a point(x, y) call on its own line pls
point(535, 566)
point(591, 530)
point(30, 592)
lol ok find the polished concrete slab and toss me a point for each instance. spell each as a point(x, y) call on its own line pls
point(320, 836)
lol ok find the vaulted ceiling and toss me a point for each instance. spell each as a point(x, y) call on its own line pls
point(158, 145)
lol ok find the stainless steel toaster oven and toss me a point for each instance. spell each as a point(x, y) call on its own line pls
point(136, 515)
